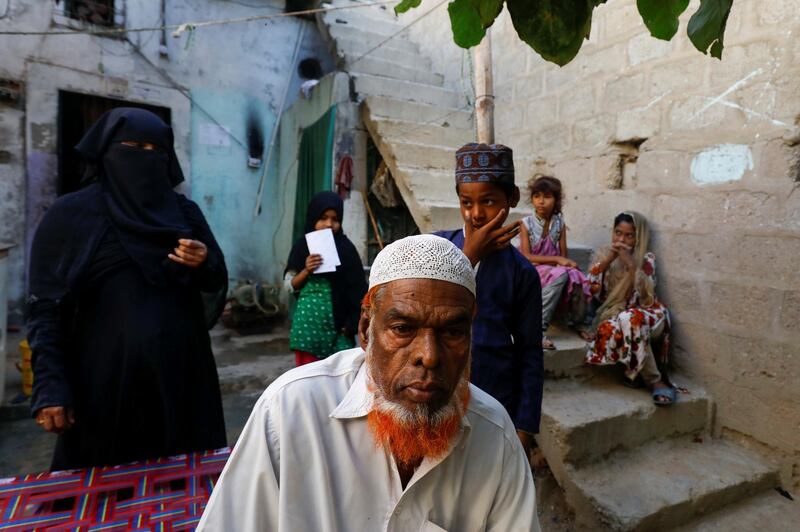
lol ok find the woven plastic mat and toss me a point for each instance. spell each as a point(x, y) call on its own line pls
point(163, 495)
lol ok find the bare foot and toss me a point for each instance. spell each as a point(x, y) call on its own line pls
point(547, 343)
point(586, 335)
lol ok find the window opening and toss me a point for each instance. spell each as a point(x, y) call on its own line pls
point(99, 12)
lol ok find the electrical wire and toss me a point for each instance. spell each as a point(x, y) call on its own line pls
point(180, 28)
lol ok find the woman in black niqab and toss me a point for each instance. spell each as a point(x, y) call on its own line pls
point(123, 368)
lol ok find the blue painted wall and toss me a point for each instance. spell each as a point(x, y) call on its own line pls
point(225, 186)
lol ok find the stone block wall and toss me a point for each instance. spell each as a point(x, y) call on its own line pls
point(709, 151)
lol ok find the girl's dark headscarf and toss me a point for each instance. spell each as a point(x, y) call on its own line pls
point(137, 186)
point(348, 282)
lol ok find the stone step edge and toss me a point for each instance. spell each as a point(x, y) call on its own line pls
point(598, 515)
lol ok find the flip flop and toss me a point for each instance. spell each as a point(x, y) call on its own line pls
point(550, 345)
point(668, 393)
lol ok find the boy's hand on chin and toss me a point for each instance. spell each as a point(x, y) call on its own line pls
point(479, 243)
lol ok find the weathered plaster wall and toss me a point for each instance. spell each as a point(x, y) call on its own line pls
point(709, 151)
point(349, 138)
point(220, 76)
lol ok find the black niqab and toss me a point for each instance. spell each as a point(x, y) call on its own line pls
point(348, 282)
point(137, 187)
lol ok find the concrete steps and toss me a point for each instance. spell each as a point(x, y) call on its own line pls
point(416, 124)
point(667, 484)
point(768, 511)
point(352, 50)
point(567, 359)
point(375, 34)
point(583, 422)
point(426, 156)
point(378, 67)
point(428, 134)
point(381, 107)
point(407, 91)
point(361, 15)
point(626, 464)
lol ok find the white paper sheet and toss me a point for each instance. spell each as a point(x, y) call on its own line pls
point(321, 243)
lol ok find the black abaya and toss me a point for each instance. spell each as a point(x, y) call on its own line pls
point(119, 334)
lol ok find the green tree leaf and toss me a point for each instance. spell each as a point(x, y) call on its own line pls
point(554, 28)
point(707, 26)
point(470, 18)
point(661, 16)
point(405, 5)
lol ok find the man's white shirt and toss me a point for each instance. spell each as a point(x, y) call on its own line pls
point(306, 461)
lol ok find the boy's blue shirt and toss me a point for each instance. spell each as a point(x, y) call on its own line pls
point(507, 359)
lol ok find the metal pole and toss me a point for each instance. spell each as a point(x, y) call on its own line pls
point(484, 90)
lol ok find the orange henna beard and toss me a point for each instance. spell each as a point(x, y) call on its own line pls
point(410, 441)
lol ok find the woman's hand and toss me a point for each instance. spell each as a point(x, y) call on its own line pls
point(191, 253)
point(313, 262)
point(625, 253)
point(568, 263)
point(55, 419)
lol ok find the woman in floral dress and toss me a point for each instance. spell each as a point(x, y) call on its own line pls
point(623, 279)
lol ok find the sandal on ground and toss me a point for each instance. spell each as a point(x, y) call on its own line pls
point(547, 343)
point(586, 335)
point(668, 394)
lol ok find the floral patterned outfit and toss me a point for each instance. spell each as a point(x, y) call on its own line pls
point(625, 338)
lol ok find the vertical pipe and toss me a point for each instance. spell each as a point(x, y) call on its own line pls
point(484, 90)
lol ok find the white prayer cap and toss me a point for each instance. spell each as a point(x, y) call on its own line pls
point(422, 257)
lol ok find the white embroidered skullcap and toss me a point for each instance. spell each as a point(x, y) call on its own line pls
point(422, 257)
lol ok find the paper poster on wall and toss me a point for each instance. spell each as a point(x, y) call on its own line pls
point(215, 135)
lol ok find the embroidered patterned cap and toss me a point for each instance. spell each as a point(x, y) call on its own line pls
point(484, 163)
point(422, 257)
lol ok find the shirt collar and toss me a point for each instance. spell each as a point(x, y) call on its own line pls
point(358, 400)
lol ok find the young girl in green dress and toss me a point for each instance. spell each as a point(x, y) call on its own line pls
point(328, 304)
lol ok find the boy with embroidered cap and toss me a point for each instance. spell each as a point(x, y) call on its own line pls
point(507, 359)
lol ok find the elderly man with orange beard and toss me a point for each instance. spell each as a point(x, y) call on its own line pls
point(391, 438)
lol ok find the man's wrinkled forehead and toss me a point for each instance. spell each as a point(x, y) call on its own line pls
point(406, 298)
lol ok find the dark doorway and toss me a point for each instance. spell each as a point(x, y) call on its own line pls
point(76, 113)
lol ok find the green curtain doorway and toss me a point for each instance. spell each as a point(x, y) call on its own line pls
point(315, 167)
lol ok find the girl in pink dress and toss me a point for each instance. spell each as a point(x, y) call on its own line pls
point(543, 238)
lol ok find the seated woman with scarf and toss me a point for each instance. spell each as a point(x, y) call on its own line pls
point(123, 369)
point(630, 317)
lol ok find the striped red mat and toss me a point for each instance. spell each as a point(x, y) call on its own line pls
point(164, 495)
